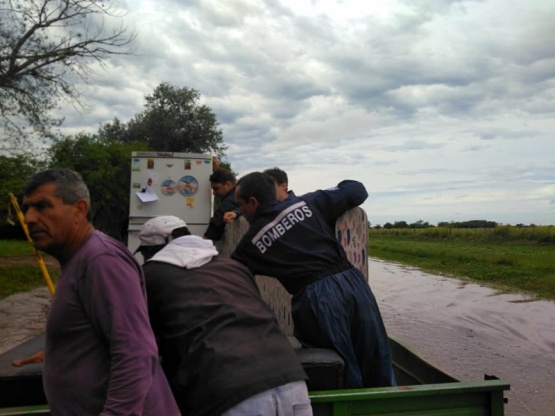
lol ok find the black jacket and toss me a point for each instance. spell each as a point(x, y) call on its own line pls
point(216, 225)
point(219, 341)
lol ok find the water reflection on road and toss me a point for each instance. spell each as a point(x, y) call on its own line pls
point(469, 330)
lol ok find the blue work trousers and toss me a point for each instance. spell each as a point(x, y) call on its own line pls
point(340, 312)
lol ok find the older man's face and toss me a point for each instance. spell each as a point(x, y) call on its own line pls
point(50, 221)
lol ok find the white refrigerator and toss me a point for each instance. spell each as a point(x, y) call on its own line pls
point(169, 183)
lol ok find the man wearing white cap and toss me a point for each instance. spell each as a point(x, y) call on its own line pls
point(221, 347)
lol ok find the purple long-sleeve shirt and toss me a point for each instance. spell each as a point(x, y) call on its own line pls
point(101, 355)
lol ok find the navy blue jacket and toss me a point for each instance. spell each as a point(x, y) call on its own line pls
point(294, 240)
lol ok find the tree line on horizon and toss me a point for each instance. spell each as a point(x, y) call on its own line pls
point(445, 224)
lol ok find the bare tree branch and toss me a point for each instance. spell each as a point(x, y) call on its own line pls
point(45, 45)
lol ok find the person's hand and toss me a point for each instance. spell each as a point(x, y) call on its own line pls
point(215, 163)
point(229, 217)
point(37, 357)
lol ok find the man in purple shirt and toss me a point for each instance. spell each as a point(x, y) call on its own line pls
point(100, 354)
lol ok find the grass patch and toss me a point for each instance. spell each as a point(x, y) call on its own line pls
point(10, 248)
point(520, 266)
point(17, 276)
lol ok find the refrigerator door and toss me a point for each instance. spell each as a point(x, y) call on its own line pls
point(169, 183)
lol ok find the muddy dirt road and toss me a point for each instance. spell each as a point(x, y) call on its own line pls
point(469, 330)
point(22, 316)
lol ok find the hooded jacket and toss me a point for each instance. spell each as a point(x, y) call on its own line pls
point(219, 342)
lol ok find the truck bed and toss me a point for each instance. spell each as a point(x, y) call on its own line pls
point(423, 389)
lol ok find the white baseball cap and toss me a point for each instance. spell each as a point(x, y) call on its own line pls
point(156, 231)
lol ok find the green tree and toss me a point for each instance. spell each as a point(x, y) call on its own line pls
point(14, 171)
point(174, 121)
point(420, 224)
point(106, 168)
point(114, 130)
point(400, 224)
point(45, 49)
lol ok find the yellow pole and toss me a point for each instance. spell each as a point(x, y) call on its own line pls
point(40, 261)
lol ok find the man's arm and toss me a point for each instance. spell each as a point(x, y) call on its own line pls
point(334, 202)
point(37, 357)
point(240, 253)
point(215, 163)
point(115, 302)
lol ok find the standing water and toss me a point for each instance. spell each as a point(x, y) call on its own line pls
point(469, 330)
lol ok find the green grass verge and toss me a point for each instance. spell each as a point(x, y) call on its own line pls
point(16, 277)
point(9, 248)
point(519, 266)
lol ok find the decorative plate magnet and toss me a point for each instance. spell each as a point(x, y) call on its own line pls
point(168, 187)
point(188, 185)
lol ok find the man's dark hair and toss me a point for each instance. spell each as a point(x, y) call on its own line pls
point(70, 185)
point(222, 176)
point(258, 185)
point(149, 251)
point(180, 232)
point(278, 175)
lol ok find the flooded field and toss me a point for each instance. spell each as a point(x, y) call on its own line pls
point(464, 328)
point(469, 330)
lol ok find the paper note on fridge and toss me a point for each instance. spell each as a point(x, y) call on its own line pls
point(148, 195)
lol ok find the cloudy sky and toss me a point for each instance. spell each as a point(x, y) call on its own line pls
point(445, 110)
